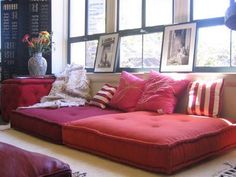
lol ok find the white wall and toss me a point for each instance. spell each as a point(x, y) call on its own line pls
point(59, 29)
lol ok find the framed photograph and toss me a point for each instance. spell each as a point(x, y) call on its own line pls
point(178, 48)
point(106, 53)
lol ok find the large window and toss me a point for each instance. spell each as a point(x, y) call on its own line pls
point(140, 24)
point(86, 22)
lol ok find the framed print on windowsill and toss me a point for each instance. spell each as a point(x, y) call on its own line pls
point(106, 53)
point(178, 48)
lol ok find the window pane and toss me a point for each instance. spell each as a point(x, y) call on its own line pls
point(152, 45)
point(130, 14)
point(78, 53)
point(91, 48)
point(213, 47)
point(96, 16)
point(131, 52)
point(233, 48)
point(158, 12)
point(203, 9)
point(77, 17)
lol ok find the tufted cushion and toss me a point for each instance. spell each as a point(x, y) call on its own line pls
point(16, 162)
point(33, 121)
point(205, 97)
point(161, 93)
point(161, 143)
point(22, 92)
point(128, 92)
point(103, 96)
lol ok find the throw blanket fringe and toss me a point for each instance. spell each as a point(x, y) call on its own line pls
point(71, 88)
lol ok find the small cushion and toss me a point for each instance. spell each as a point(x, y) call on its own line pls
point(205, 98)
point(160, 93)
point(128, 92)
point(103, 96)
point(16, 162)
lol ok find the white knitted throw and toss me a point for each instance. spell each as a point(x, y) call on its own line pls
point(71, 88)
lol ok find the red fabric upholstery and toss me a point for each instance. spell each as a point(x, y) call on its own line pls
point(16, 162)
point(47, 123)
point(161, 143)
point(22, 92)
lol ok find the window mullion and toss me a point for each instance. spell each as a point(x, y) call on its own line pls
point(142, 49)
point(143, 18)
point(86, 17)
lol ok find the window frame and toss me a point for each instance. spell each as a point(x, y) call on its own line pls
point(139, 31)
point(86, 36)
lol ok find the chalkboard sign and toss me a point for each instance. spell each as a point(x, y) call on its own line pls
point(20, 17)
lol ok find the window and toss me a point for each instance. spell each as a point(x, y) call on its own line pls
point(215, 44)
point(77, 18)
point(213, 50)
point(141, 32)
point(158, 8)
point(202, 10)
point(128, 18)
point(86, 23)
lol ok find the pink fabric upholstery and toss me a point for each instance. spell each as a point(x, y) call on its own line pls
point(47, 123)
point(22, 92)
point(128, 92)
point(161, 93)
point(161, 143)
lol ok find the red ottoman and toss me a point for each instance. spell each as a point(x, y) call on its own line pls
point(23, 92)
point(16, 162)
point(160, 143)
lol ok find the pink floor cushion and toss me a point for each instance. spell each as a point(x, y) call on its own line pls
point(159, 143)
point(47, 123)
point(16, 162)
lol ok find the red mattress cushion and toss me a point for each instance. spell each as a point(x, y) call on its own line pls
point(162, 143)
point(47, 123)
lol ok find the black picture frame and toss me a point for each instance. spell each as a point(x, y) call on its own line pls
point(178, 48)
point(105, 60)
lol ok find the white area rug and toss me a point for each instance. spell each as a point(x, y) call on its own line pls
point(5, 127)
point(95, 166)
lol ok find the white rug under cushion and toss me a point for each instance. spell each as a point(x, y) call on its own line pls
point(94, 166)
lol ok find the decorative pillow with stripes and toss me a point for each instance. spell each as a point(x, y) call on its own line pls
point(205, 98)
point(103, 96)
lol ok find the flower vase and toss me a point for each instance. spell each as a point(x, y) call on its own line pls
point(37, 65)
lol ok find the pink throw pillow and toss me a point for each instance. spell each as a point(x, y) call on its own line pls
point(205, 98)
point(103, 96)
point(128, 92)
point(161, 93)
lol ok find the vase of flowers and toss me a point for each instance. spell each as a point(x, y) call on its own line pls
point(39, 45)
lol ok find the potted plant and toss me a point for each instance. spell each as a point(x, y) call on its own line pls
point(38, 46)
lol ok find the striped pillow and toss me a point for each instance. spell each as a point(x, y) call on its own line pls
point(205, 98)
point(103, 96)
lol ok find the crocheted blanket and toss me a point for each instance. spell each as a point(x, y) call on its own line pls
point(71, 88)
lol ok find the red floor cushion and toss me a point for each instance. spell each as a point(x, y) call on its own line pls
point(16, 162)
point(47, 123)
point(160, 143)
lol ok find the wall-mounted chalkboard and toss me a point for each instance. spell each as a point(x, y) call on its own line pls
point(19, 17)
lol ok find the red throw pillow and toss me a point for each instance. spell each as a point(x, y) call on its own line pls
point(205, 98)
point(160, 93)
point(103, 96)
point(128, 92)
